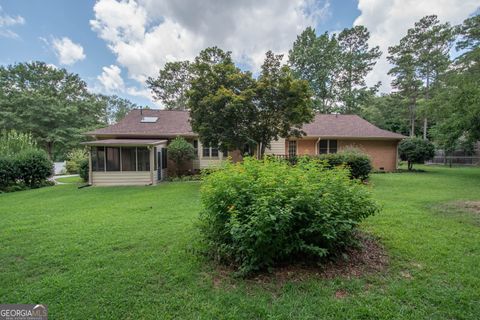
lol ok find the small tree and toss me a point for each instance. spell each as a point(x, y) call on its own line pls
point(180, 150)
point(416, 150)
point(74, 159)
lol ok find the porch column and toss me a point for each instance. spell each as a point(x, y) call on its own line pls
point(90, 174)
point(152, 163)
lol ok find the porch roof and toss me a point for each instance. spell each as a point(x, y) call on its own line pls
point(125, 142)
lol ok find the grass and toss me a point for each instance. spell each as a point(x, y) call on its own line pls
point(75, 180)
point(128, 253)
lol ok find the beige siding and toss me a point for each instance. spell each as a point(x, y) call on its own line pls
point(205, 162)
point(277, 147)
point(121, 178)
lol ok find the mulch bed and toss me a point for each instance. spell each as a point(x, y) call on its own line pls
point(368, 258)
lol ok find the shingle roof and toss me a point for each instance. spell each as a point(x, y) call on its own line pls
point(124, 142)
point(346, 126)
point(173, 123)
point(169, 123)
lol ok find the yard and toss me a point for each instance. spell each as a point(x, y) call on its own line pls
point(129, 253)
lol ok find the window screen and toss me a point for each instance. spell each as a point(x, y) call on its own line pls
point(292, 148)
point(195, 147)
point(332, 147)
point(214, 152)
point(113, 158)
point(164, 158)
point(323, 146)
point(98, 159)
point(206, 151)
point(143, 158)
point(128, 159)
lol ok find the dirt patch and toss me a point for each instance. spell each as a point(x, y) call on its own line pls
point(465, 211)
point(367, 258)
point(472, 206)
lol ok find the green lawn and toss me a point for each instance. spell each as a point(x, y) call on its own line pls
point(75, 179)
point(129, 253)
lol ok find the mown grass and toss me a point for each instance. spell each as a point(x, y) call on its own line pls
point(129, 253)
point(75, 179)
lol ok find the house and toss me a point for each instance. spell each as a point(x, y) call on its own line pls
point(133, 151)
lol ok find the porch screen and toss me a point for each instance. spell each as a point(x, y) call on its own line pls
point(112, 156)
point(143, 158)
point(128, 159)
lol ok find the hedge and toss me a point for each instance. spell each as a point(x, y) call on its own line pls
point(259, 213)
point(30, 168)
point(358, 163)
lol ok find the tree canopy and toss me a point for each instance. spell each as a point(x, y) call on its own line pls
point(231, 109)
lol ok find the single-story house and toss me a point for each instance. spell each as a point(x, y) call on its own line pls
point(133, 151)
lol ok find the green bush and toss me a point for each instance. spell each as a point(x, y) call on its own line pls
point(415, 150)
point(34, 167)
point(8, 171)
point(358, 163)
point(179, 151)
point(83, 170)
point(74, 159)
point(257, 214)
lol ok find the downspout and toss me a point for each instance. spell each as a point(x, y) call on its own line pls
point(316, 146)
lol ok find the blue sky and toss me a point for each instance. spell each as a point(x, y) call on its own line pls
point(114, 45)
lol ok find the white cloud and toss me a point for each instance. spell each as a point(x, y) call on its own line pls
point(144, 34)
point(111, 82)
point(389, 20)
point(67, 51)
point(6, 22)
point(111, 79)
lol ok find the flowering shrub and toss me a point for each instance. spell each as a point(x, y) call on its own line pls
point(259, 213)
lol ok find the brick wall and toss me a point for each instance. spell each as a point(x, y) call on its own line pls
point(382, 152)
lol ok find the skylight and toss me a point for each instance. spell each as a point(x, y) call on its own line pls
point(149, 119)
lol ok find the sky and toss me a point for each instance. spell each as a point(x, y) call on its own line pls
point(115, 45)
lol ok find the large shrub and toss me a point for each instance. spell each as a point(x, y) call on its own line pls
point(259, 213)
point(415, 150)
point(34, 167)
point(83, 170)
point(8, 171)
point(74, 159)
point(358, 163)
point(180, 151)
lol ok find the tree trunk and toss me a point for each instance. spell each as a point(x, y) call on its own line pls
point(410, 166)
point(427, 97)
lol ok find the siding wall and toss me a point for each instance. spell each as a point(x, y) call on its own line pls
point(122, 178)
point(277, 147)
point(206, 162)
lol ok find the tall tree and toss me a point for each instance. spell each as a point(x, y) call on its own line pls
point(318, 61)
point(357, 60)
point(171, 85)
point(432, 43)
point(388, 112)
point(282, 103)
point(115, 108)
point(221, 100)
point(51, 104)
point(406, 80)
point(230, 109)
point(457, 114)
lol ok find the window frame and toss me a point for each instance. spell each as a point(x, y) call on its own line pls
point(292, 144)
point(328, 148)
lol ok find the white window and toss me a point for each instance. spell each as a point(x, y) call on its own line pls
point(327, 146)
point(209, 152)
